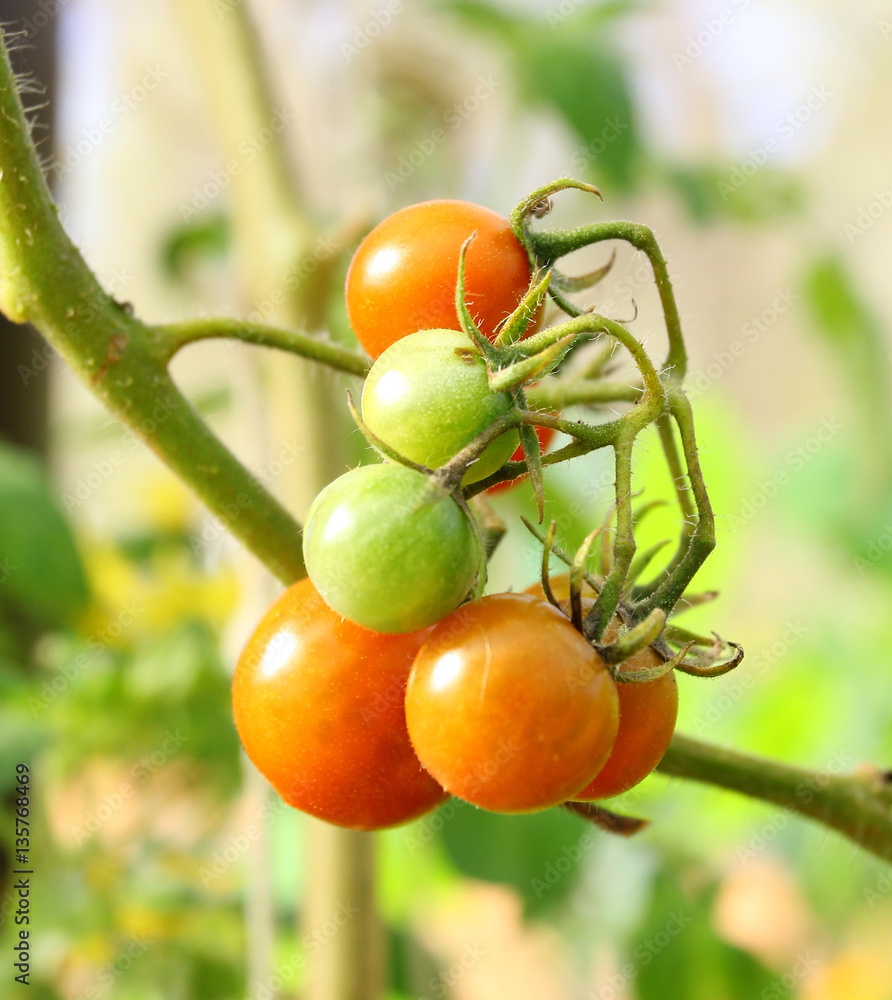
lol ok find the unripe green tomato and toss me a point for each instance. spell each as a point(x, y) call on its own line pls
point(427, 396)
point(386, 552)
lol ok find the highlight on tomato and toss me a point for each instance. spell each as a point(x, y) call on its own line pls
point(318, 705)
point(428, 396)
point(509, 707)
point(403, 276)
point(389, 550)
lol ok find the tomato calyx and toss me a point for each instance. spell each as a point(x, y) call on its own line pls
point(544, 248)
point(640, 627)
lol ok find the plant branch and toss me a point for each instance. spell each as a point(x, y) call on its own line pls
point(44, 280)
point(175, 336)
point(555, 394)
point(548, 245)
point(858, 804)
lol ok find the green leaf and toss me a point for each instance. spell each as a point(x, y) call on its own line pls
point(586, 84)
point(849, 326)
point(569, 63)
point(677, 955)
point(539, 854)
point(206, 237)
point(837, 308)
point(41, 574)
point(711, 193)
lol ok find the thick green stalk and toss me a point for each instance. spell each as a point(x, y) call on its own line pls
point(44, 280)
point(858, 805)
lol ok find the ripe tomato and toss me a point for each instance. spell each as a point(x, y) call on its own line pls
point(318, 704)
point(385, 552)
point(403, 276)
point(545, 435)
point(427, 396)
point(647, 714)
point(509, 707)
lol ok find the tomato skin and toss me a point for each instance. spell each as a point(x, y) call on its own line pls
point(647, 713)
point(545, 436)
point(318, 704)
point(427, 396)
point(385, 553)
point(647, 716)
point(403, 276)
point(509, 707)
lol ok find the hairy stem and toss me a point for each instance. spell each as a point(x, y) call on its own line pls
point(548, 245)
point(44, 280)
point(175, 336)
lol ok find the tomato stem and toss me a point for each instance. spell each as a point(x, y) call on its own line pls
point(173, 337)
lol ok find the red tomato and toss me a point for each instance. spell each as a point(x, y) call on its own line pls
point(509, 707)
point(318, 704)
point(403, 276)
point(647, 717)
point(545, 435)
point(647, 714)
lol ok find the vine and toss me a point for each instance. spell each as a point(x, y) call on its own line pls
point(45, 281)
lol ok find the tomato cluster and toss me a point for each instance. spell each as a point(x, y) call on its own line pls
point(383, 683)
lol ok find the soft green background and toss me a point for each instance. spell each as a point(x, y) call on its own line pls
point(124, 612)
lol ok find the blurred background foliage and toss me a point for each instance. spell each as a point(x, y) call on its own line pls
point(752, 137)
